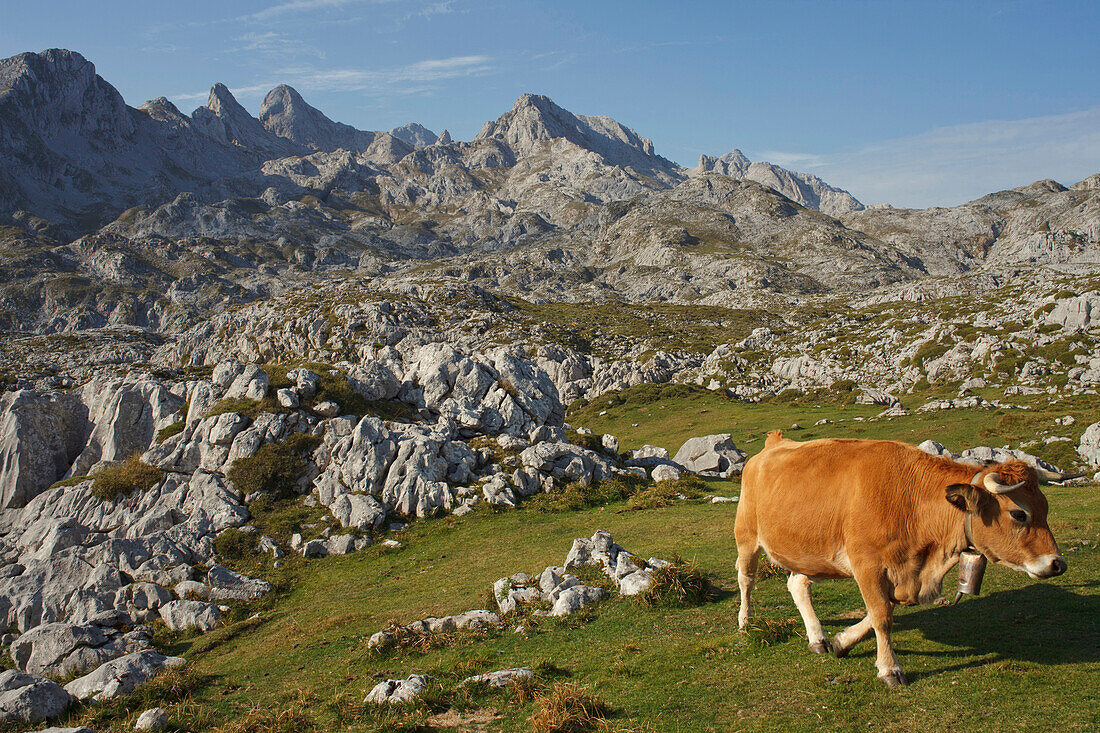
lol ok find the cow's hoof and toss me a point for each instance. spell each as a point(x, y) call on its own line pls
point(821, 647)
point(894, 678)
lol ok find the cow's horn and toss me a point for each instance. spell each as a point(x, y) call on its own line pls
point(1051, 477)
point(993, 485)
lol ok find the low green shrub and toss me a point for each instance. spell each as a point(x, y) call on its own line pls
point(233, 544)
point(124, 478)
point(667, 493)
point(591, 441)
point(275, 468)
point(248, 407)
point(71, 481)
point(575, 496)
point(167, 432)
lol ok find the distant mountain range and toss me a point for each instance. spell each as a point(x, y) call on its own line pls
point(148, 217)
point(73, 152)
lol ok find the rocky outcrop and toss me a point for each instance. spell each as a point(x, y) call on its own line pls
point(805, 188)
point(417, 135)
point(65, 649)
point(181, 615)
point(563, 593)
point(1078, 313)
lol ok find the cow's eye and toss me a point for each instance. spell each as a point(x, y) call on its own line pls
point(1019, 516)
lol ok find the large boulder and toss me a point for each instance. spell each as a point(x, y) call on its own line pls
point(877, 397)
point(181, 614)
point(41, 649)
point(497, 391)
point(1089, 448)
point(225, 584)
point(711, 455)
point(121, 676)
point(41, 434)
point(361, 511)
point(251, 384)
point(28, 698)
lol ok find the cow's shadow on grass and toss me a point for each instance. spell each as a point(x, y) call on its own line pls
point(1043, 624)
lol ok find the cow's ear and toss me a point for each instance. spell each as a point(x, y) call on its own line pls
point(964, 496)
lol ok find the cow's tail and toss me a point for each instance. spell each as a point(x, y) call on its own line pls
point(773, 439)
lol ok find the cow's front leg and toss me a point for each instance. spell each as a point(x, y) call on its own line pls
point(799, 586)
point(880, 613)
point(849, 637)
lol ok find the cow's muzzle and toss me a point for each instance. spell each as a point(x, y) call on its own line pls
point(1048, 566)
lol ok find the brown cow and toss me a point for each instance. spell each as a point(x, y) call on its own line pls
point(889, 515)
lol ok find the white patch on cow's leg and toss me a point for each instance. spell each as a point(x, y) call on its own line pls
point(799, 586)
point(746, 577)
point(849, 637)
point(889, 671)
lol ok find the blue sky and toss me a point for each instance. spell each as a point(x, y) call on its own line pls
point(914, 103)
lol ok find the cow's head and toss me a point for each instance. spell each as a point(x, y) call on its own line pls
point(1007, 519)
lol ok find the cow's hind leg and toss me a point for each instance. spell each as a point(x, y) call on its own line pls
point(880, 612)
point(799, 586)
point(748, 557)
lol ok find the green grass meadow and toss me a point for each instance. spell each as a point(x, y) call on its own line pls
point(1025, 655)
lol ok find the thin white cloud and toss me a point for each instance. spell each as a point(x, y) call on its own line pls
point(270, 43)
point(947, 166)
point(420, 77)
point(299, 6)
point(799, 161)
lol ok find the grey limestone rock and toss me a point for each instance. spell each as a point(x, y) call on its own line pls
point(152, 719)
point(120, 676)
point(225, 584)
point(179, 615)
point(501, 677)
point(252, 383)
point(575, 598)
point(1077, 313)
point(665, 473)
point(315, 548)
point(711, 454)
point(63, 649)
point(567, 462)
point(41, 434)
point(1089, 447)
point(28, 698)
point(398, 691)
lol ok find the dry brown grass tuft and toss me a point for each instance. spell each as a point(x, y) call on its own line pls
point(682, 583)
point(569, 707)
